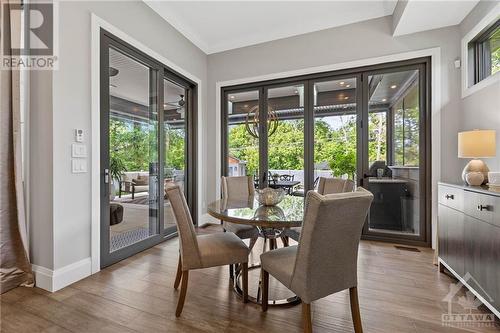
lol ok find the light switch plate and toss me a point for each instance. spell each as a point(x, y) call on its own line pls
point(78, 150)
point(78, 165)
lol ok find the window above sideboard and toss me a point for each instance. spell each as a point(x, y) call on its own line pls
point(481, 54)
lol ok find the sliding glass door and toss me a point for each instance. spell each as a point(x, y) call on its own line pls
point(146, 130)
point(368, 124)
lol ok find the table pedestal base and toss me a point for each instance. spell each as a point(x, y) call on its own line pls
point(236, 281)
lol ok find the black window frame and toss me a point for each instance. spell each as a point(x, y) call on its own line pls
point(481, 58)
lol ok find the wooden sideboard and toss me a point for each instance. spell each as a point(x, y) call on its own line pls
point(469, 239)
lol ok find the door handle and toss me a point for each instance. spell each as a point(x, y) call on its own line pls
point(106, 176)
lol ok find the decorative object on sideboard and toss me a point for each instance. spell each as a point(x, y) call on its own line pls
point(474, 178)
point(476, 144)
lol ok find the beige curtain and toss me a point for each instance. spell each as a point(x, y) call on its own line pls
point(15, 268)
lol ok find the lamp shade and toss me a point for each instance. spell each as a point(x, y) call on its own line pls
point(477, 144)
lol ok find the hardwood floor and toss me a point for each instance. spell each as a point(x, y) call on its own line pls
point(399, 291)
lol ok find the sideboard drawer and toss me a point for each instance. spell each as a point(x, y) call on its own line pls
point(451, 196)
point(481, 206)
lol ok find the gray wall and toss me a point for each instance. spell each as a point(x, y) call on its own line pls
point(342, 44)
point(481, 110)
point(41, 187)
point(70, 108)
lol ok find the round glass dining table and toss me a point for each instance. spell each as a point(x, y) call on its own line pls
point(271, 221)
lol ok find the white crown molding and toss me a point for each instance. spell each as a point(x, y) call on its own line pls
point(171, 18)
point(53, 280)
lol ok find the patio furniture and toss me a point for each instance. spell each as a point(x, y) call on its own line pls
point(305, 270)
point(115, 213)
point(287, 185)
point(133, 182)
point(203, 251)
point(287, 177)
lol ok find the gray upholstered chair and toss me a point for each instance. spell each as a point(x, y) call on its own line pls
point(326, 186)
point(203, 251)
point(332, 224)
point(239, 188)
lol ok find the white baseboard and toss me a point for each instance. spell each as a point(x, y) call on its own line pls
point(53, 280)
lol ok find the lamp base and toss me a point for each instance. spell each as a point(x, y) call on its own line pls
point(476, 166)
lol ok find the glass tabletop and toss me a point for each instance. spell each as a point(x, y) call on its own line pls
point(288, 213)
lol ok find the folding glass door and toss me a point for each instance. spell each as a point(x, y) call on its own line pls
point(395, 149)
point(145, 124)
point(369, 125)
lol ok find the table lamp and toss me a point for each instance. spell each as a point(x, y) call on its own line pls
point(476, 144)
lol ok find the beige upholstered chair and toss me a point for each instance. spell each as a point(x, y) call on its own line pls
point(239, 188)
point(332, 224)
point(335, 185)
point(203, 251)
point(326, 186)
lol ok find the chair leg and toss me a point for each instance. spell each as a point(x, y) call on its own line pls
point(252, 243)
point(231, 272)
point(244, 267)
point(306, 317)
point(265, 290)
point(284, 239)
point(356, 316)
point(182, 296)
point(179, 274)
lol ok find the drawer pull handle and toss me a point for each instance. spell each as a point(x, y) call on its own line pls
point(449, 197)
point(481, 208)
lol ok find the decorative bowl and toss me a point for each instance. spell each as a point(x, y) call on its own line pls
point(269, 196)
point(494, 178)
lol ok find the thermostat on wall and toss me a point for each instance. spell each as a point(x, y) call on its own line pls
point(78, 135)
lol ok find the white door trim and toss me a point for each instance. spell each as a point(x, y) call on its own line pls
point(434, 53)
point(96, 25)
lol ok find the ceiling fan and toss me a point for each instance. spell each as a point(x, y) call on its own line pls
point(179, 106)
point(113, 72)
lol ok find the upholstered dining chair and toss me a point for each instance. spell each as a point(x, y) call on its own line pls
point(334, 185)
point(332, 224)
point(239, 188)
point(203, 251)
point(326, 186)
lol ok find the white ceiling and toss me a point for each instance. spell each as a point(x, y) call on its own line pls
point(216, 26)
point(427, 15)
